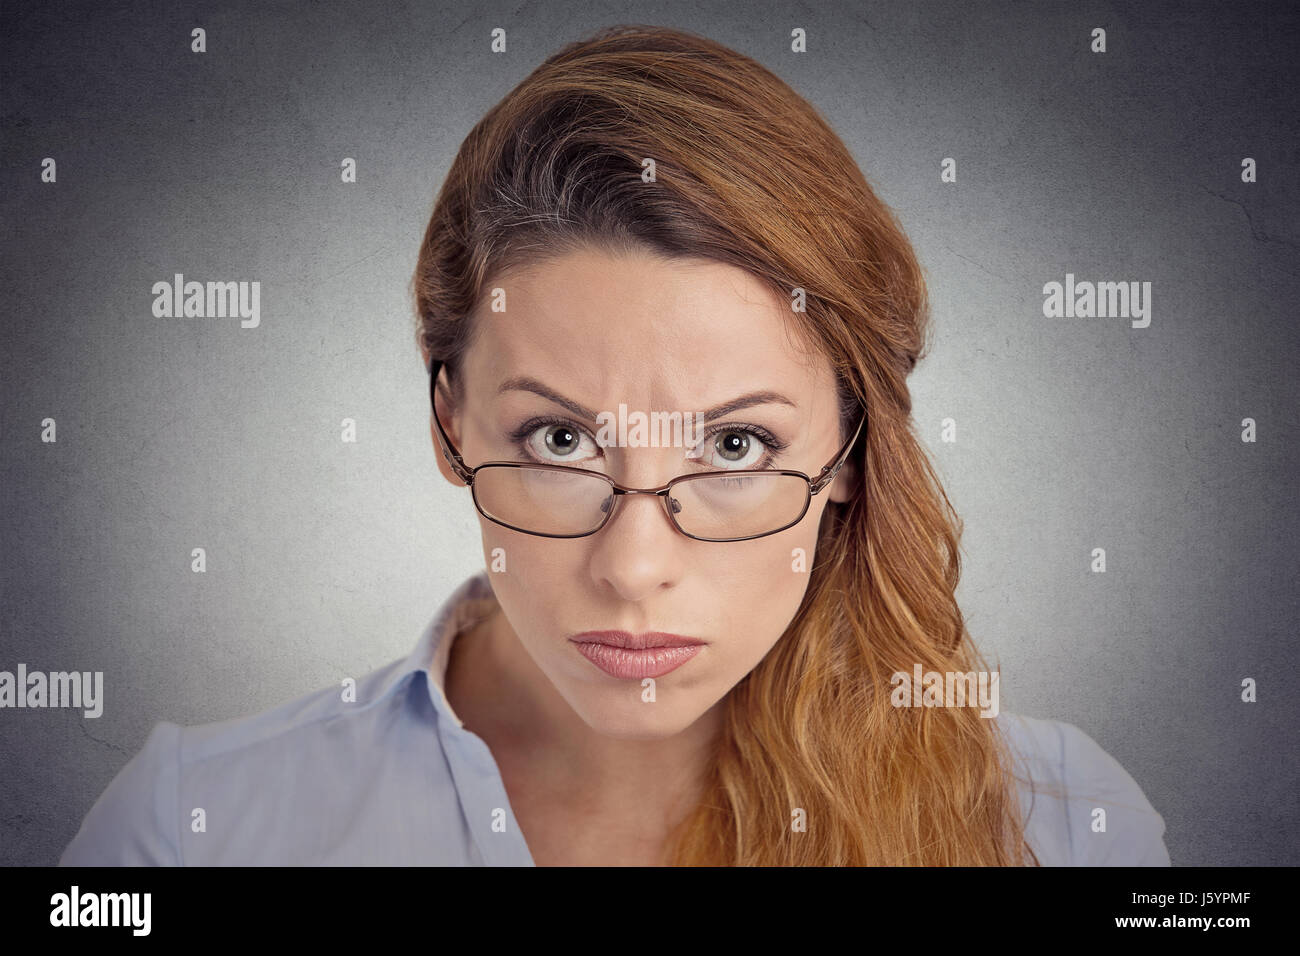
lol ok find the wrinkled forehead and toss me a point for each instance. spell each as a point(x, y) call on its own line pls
point(644, 330)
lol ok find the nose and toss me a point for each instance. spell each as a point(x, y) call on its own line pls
point(638, 550)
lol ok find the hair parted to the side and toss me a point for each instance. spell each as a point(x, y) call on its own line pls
point(748, 173)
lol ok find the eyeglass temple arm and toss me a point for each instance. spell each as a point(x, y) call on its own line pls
point(449, 452)
point(830, 471)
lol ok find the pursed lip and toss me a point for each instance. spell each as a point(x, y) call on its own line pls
point(637, 642)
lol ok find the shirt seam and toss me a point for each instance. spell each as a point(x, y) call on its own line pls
point(301, 725)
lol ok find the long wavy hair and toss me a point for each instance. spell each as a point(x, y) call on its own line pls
point(747, 172)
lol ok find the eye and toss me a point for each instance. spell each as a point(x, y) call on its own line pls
point(556, 442)
point(732, 448)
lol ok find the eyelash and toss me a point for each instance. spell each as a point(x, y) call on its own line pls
point(774, 445)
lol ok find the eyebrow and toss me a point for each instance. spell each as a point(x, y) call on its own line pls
point(522, 383)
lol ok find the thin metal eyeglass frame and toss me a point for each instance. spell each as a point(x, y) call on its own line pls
point(467, 474)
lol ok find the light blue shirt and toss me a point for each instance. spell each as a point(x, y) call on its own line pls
point(394, 778)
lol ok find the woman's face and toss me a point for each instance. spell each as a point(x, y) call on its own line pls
point(653, 335)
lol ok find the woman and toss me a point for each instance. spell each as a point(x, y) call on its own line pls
point(713, 641)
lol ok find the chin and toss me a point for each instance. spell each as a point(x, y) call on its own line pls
point(636, 720)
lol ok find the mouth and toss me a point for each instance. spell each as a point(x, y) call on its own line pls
point(636, 656)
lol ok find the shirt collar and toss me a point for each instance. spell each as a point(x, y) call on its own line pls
point(472, 601)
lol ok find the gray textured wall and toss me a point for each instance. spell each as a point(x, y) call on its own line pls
point(325, 558)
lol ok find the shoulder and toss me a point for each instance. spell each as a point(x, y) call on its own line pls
point(1082, 808)
point(251, 782)
point(122, 828)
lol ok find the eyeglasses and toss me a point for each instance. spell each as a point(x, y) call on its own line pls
point(561, 501)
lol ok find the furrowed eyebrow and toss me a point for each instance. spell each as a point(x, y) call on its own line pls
point(746, 401)
point(522, 383)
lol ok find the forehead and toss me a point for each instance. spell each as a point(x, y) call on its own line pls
point(645, 325)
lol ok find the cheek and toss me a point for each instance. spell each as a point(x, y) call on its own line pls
point(757, 588)
point(531, 572)
point(512, 554)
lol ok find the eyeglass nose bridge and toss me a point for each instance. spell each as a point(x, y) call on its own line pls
point(672, 504)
